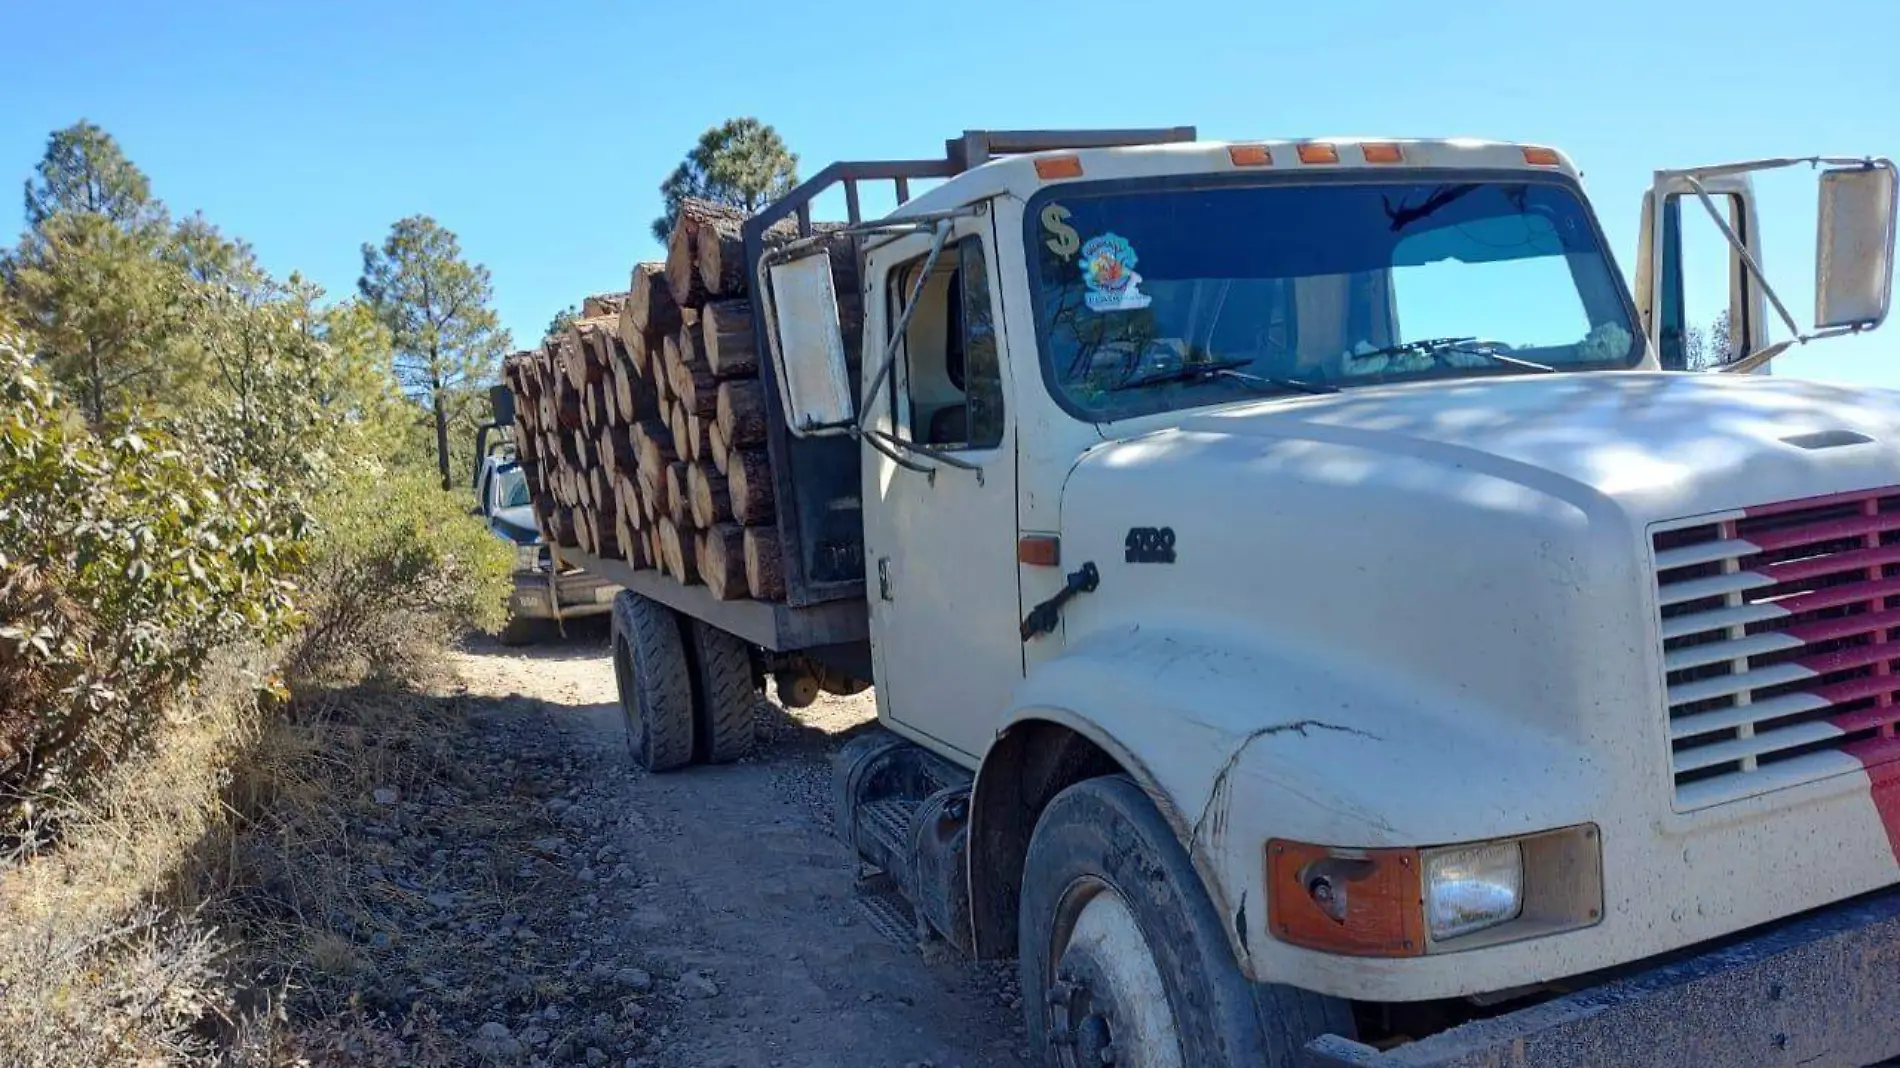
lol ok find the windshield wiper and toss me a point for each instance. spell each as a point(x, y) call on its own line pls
point(1476, 346)
point(1229, 369)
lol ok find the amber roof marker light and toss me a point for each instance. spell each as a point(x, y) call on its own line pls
point(1059, 167)
point(1250, 155)
point(1319, 152)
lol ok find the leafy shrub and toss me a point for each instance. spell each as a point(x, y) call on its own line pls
point(124, 564)
point(399, 564)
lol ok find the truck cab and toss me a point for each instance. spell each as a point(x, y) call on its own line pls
point(547, 590)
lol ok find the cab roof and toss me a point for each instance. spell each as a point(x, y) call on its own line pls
point(1022, 176)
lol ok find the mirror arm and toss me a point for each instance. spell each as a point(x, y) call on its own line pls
point(877, 439)
point(1754, 269)
point(898, 329)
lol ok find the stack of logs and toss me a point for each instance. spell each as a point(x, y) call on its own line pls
point(642, 427)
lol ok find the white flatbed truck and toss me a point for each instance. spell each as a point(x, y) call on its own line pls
point(1313, 618)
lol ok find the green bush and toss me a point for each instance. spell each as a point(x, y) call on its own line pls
point(399, 565)
point(125, 563)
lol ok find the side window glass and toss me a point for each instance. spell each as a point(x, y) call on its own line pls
point(952, 372)
point(1695, 321)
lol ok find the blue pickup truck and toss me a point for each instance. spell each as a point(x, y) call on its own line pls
point(547, 590)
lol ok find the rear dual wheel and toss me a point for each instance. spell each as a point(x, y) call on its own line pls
point(686, 688)
point(1124, 959)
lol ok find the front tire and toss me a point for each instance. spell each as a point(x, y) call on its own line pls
point(1123, 958)
point(655, 682)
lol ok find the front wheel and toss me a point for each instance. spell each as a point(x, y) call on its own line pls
point(1123, 958)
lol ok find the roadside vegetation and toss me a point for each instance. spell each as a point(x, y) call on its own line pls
point(222, 504)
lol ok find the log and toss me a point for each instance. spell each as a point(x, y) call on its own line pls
point(749, 485)
point(679, 501)
point(699, 438)
point(602, 304)
point(698, 390)
point(711, 502)
point(681, 563)
point(764, 565)
point(716, 441)
point(627, 492)
point(722, 568)
point(725, 329)
point(637, 350)
point(622, 375)
point(697, 218)
point(633, 549)
point(650, 306)
point(653, 444)
point(617, 452)
point(740, 410)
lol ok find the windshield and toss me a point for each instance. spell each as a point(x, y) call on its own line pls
point(511, 488)
point(1315, 286)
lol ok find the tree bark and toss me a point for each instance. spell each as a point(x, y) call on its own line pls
point(680, 563)
point(650, 307)
point(441, 435)
point(749, 485)
point(731, 347)
point(764, 564)
point(711, 501)
point(679, 503)
point(740, 410)
point(723, 566)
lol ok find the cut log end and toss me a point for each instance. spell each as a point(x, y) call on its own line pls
point(764, 564)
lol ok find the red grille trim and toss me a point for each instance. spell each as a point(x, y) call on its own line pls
point(1830, 566)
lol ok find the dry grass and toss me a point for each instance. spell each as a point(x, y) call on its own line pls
point(189, 913)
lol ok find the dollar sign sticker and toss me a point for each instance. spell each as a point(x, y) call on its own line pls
point(1065, 241)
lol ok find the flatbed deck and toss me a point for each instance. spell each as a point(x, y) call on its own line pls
point(781, 628)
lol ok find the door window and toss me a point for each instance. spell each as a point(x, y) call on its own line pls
point(953, 379)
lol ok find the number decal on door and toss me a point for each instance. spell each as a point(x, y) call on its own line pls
point(1150, 545)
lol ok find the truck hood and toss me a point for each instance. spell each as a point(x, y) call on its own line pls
point(1665, 445)
point(1467, 547)
point(517, 524)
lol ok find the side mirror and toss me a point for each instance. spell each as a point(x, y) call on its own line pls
point(1853, 268)
point(807, 345)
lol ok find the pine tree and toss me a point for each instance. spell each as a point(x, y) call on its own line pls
point(99, 293)
point(741, 162)
point(435, 305)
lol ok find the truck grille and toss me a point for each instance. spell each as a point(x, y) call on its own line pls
point(1781, 628)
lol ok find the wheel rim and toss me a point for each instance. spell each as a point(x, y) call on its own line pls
point(1106, 1002)
point(632, 703)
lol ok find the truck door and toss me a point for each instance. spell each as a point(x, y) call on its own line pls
point(941, 542)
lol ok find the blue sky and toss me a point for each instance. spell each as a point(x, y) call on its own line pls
point(539, 132)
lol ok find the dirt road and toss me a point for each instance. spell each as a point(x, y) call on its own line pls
point(723, 892)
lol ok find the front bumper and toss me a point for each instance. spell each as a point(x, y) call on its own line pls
point(1822, 991)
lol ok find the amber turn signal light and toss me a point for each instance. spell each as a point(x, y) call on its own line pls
point(1354, 902)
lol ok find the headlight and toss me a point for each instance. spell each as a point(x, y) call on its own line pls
point(1470, 888)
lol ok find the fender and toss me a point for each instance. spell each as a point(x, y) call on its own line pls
point(1243, 741)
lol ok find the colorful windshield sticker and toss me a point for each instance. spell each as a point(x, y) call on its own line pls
point(1108, 269)
point(1063, 240)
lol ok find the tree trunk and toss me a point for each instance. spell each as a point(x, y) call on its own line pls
point(749, 485)
point(764, 565)
point(442, 436)
point(723, 566)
